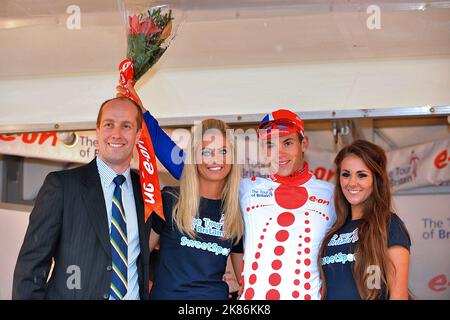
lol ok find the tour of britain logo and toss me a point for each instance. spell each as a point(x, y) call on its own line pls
point(262, 193)
point(406, 173)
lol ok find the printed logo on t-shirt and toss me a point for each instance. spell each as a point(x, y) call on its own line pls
point(208, 227)
point(338, 240)
point(344, 238)
point(206, 246)
point(262, 193)
point(338, 258)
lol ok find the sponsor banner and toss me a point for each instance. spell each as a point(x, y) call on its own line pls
point(81, 147)
point(420, 165)
point(410, 167)
point(427, 219)
point(58, 146)
point(320, 163)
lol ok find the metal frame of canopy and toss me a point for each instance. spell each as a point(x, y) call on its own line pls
point(401, 112)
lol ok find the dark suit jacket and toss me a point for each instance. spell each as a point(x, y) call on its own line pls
point(69, 223)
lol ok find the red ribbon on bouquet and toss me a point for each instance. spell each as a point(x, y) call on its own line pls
point(151, 193)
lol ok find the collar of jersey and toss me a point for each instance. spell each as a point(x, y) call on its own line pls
point(299, 177)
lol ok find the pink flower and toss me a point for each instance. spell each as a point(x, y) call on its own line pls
point(134, 24)
point(147, 27)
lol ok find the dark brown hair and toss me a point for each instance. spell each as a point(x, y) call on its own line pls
point(139, 116)
point(371, 249)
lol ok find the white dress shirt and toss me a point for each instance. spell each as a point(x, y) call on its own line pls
point(107, 176)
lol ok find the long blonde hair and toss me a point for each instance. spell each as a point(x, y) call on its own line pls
point(187, 206)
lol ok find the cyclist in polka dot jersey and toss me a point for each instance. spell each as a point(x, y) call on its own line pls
point(286, 217)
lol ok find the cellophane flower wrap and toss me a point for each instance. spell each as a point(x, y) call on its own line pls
point(146, 38)
point(148, 34)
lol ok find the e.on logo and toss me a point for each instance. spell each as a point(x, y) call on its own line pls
point(439, 283)
point(30, 138)
point(321, 201)
point(442, 160)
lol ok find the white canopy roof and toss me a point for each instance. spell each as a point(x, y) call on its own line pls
point(228, 59)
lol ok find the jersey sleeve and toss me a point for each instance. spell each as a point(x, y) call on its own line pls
point(168, 153)
point(398, 234)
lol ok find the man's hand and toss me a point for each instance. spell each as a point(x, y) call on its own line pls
point(121, 92)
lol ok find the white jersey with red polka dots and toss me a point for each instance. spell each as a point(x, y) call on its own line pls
point(286, 219)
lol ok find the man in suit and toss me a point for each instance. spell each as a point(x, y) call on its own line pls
point(90, 222)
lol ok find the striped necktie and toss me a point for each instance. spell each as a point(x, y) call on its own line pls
point(119, 243)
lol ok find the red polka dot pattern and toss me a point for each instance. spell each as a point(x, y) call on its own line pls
point(282, 235)
point(249, 294)
point(273, 295)
point(286, 219)
point(290, 231)
point(321, 214)
point(290, 197)
point(252, 279)
point(274, 279)
point(276, 265)
point(279, 250)
point(257, 207)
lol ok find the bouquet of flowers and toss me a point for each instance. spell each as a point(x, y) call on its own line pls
point(148, 35)
point(149, 32)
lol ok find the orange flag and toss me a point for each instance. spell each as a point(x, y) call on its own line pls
point(151, 193)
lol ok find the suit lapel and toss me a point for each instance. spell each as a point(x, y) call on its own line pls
point(143, 239)
point(94, 201)
point(139, 207)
